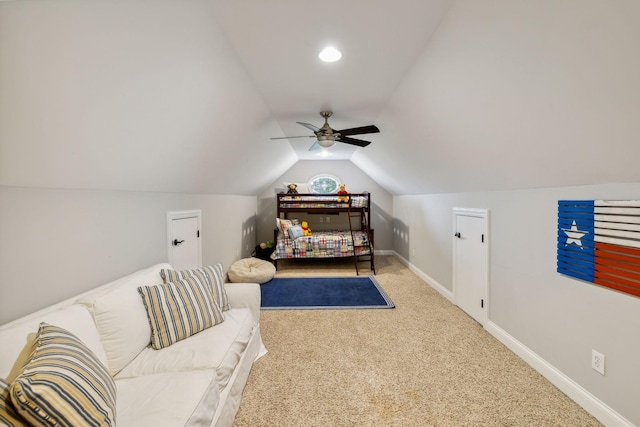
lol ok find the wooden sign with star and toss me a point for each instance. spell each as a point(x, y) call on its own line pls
point(599, 241)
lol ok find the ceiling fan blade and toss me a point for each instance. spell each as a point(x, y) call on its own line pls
point(289, 137)
point(315, 146)
point(353, 141)
point(359, 131)
point(309, 126)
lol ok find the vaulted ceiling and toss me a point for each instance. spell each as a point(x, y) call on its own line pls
point(184, 96)
point(278, 43)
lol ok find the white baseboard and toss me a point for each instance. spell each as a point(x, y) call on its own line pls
point(605, 414)
point(575, 391)
point(424, 276)
point(383, 252)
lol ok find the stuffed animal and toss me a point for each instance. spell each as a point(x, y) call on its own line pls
point(342, 189)
point(292, 189)
point(305, 228)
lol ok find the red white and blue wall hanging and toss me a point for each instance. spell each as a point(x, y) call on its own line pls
point(599, 241)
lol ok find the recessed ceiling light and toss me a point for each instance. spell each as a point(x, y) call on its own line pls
point(330, 54)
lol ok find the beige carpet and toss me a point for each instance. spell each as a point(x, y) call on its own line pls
point(424, 363)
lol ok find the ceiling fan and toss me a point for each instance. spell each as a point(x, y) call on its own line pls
point(327, 137)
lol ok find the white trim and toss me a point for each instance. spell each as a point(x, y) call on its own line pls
point(480, 213)
point(594, 406)
point(428, 279)
point(383, 252)
point(172, 215)
point(323, 175)
point(604, 413)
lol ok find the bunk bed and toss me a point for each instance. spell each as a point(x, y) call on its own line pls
point(356, 241)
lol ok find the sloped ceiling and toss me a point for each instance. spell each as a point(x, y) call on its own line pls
point(183, 96)
point(512, 95)
point(469, 95)
point(278, 42)
point(130, 95)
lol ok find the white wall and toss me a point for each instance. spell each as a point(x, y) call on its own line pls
point(113, 113)
point(58, 243)
point(356, 182)
point(540, 100)
point(560, 319)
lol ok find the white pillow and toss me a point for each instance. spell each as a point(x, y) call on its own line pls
point(121, 318)
point(16, 341)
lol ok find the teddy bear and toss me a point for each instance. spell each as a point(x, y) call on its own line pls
point(305, 228)
point(292, 188)
point(342, 189)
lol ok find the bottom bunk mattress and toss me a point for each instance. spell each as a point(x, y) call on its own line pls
point(323, 244)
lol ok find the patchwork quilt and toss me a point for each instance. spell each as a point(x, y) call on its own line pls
point(320, 202)
point(324, 244)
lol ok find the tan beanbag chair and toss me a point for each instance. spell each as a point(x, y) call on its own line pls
point(251, 270)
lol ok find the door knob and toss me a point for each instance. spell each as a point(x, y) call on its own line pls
point(457, 235)
point(176, 242)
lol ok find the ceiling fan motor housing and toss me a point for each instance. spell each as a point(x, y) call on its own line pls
point(327, 137)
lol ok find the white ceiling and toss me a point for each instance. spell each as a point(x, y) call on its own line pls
point(279, 42)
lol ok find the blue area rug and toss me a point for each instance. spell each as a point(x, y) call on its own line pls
point(323, 293)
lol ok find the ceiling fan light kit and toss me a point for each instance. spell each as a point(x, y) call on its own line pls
point(327, 137)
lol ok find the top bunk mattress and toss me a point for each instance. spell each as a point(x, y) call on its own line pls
point(320, 202)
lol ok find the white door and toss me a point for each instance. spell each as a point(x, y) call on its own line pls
point(183, 231)
point(471, 261)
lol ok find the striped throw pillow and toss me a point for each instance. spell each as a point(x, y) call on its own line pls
point(214, 276)
point(174, 276)
point(63, 383)
point(8, 415)
point(178, 310)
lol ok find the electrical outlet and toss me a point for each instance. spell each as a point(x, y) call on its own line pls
point(328, 219)
point(597, 362)
point(321, 219)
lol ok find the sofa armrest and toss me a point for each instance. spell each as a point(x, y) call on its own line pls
point(245, 295)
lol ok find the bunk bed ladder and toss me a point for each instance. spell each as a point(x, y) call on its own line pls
point(359, 214)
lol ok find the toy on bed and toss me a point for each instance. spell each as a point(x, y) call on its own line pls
point(342, 189)
point(305, 228)
point(292, 189)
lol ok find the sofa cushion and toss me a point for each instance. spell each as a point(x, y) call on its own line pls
point(214, 275)
point(178, 310)
point(64, 383)
point(168, 399)
point(17, 337)
point(218, 348)
point(8, 415)
point(121, 318)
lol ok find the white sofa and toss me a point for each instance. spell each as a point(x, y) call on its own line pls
point(197, 381)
